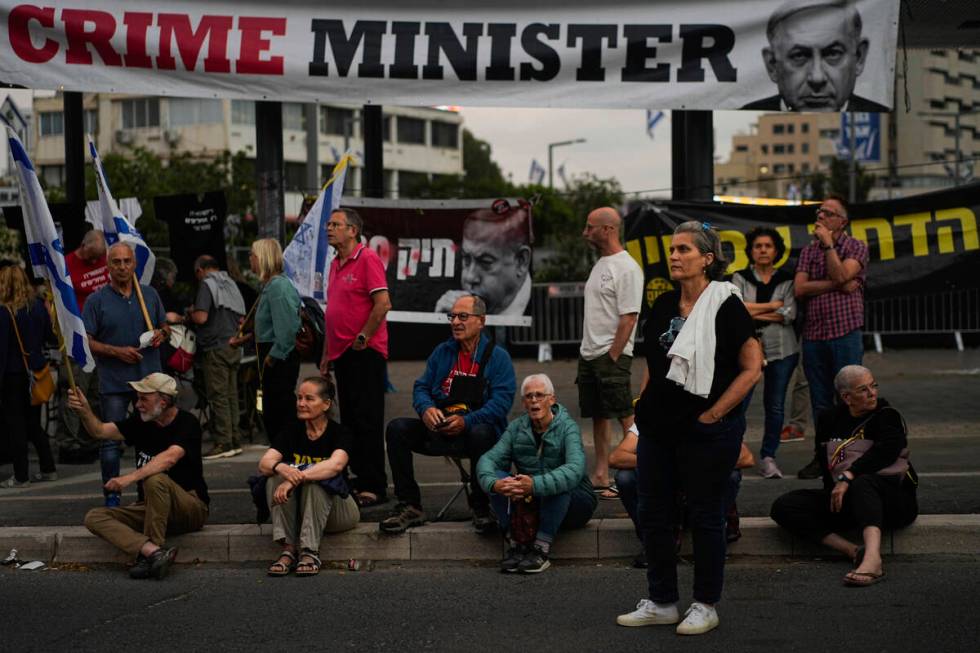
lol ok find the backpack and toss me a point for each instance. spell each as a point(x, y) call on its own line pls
point(309, 338)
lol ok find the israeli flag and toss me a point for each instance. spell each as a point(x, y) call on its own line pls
point(652, 120)
point(308, 255)
point(48, 255)
point(116, 227)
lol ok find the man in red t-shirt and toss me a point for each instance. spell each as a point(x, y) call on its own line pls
point(88, 271)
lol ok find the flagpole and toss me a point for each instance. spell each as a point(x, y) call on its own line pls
point(139, 296)
point(61, 339)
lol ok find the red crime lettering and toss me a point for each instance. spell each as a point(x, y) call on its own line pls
point(254, 44)
point(19, 28)
point(137, 23)
point(103, 27)
point(189, 42)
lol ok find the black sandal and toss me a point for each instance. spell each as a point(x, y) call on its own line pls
point(280, 568)
point(309, 563)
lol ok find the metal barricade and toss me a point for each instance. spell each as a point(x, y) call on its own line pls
point(953, 311)
point(557, 310)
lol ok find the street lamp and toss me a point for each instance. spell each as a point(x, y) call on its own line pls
point(551, 147)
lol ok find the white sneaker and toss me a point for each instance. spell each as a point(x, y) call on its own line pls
point(768, 469)
point(648, 613)
point(698, 619)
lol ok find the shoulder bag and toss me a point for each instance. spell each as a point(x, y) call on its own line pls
point(841, 454)
point(41, 381)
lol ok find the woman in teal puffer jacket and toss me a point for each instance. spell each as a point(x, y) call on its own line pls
point(545, 448)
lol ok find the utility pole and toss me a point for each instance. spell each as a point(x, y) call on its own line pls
point(551, 147)
point(852, 173)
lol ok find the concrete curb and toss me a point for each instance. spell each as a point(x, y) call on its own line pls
point(601, 539)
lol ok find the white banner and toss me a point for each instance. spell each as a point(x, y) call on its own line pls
point(809, 55)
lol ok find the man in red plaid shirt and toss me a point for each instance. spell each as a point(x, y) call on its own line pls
point(830, 278)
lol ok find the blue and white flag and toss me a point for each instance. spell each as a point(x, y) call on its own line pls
point(652, 120)
point(48, 255)
point(536, 174)
point(561, 175)
point(307, 257)
point(116, 227)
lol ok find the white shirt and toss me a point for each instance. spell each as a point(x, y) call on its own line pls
point(614, 288)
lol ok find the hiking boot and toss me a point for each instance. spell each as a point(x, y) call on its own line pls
point(768, 468)
point(535, 561)
point(402, 517)
point(791, 433)
point(220, 451)
point(812, 470)
point(699, 619)
point(483, 521)
point(648, 613)
point(512, 560)
point(160, 562)
point(141, 569)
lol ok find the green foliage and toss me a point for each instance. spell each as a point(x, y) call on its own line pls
point(839, 181)
point(9, 244)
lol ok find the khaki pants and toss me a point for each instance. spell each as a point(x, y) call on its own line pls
point(220, 367)
point(318, 513)
point(168, 509)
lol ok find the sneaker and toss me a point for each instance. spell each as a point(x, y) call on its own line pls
point(812, 470)
point(42, 477)
point(535, 561)
point(768, 468)
point(113, 501)
point(402, 517)
point(141, 569)
point(483, 521)
point(14, 483)
point(698, 619)
point(648, 613)
point(640, 561)
point(160, 562)
point(791, 433)
point(220, 451)
point(512, 560)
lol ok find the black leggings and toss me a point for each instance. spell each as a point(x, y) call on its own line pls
point(278, 391)
point(872, 500)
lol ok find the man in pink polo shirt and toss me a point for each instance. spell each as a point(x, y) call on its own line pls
point(356, 345)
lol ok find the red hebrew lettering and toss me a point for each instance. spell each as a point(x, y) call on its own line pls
point(19, 27)
point(100, 36)
point(190, 42)
point(137, 23)
point(254, 44)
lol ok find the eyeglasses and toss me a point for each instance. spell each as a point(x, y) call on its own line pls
point(869, 389)
point(667, 337)
point(533, 397)
point(462, 317)
point(337, 225)
point(821, 212)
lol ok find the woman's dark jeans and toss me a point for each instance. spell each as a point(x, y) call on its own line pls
point(698, 459)
point(278, 391)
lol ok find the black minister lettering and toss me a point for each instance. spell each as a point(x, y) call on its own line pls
point(421, 50)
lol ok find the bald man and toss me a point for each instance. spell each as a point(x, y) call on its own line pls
point(613, 295)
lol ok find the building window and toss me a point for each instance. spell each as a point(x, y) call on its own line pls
point(292, 116)
point(52, 123)
point(779, 149)
point(411, 183)
point(765, 149)
point(832, 134)
point(805, 148)
point(805, 128)
point(242, 112)
point(826, 160)
point(805, 167)
point(790, 168)
point(778, 128)
point(53, 176)
point(90, 120)
point(336, 121)
point(790, 129)
point(294, 176)
point(445, 134)
point(741, 148)
point(194, 111)
point(386, 129)
point(779, 168)
point(789, 148)
point(141, 112)
point(410, 130)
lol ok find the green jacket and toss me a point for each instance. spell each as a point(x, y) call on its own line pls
point(558, 467)
point(277, 316)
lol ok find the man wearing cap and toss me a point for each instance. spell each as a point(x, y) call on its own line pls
point(169, 476)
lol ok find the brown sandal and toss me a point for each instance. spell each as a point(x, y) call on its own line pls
point(280, 568)
point(309, 563)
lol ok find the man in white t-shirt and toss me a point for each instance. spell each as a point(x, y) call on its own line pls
point(613, 295)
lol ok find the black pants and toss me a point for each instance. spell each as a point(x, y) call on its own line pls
point(278, 391)
point(405, 435)
point(361, 391)
point(23, 425)
point(871, 500)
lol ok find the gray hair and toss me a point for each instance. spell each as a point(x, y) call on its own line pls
point(479, 306)
point(122, 243)
point(165, 272)
point(707, 241)
point(549, 387)
point(847, 376)
point(353, 218)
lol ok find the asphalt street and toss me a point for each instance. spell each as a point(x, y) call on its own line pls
point(924, 604)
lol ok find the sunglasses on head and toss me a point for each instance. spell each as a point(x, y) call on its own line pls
point(668, 337)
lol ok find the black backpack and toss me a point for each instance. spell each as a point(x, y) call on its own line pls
point(309, 338)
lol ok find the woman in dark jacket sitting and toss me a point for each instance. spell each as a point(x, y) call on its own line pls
point(860, 496)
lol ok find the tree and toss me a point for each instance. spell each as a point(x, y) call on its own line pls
point(839, 180)
point(481, 176)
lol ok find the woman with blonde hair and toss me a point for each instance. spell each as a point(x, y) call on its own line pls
point(276, 324)
point(24, 327)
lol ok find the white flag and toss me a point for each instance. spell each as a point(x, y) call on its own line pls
point(48, 256)
point(116, 227)
point(308, 255)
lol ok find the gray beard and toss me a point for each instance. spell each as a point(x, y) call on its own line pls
point(152, 415)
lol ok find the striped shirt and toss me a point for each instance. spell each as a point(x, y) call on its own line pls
point(834, 313)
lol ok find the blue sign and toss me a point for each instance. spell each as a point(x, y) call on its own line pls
point(867, 136)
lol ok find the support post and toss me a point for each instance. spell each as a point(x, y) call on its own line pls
point(311, 114)
point(74, 116)
point(372, 180)
point(269, 198)
point(692, 155)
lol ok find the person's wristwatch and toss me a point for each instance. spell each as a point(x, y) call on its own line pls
point(842, 478)
point(824, 247)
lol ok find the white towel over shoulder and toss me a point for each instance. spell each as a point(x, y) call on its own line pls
point(692, 356)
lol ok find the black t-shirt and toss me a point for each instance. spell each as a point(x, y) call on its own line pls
point(884, 426)
point(149, 439)
point(665, 405)
point(298, 449)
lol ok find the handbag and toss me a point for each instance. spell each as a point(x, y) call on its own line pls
point(745, 458)
point(184, 344)
point(841, 454)
point(524, 520)
point(41, 381)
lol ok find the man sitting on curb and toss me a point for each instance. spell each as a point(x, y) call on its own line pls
point(462, 399)
point(173, 497)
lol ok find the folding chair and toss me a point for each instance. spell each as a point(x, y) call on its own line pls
point(464, 479)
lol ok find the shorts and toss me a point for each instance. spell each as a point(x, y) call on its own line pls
point(604, 387)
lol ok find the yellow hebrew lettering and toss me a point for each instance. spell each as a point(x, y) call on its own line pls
point(741, 260)
point(666, 241)
point(968, 228)
point(920, 237)
point(788, 240)
point(653, 249)
point(633, 247)
point(886, 244)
